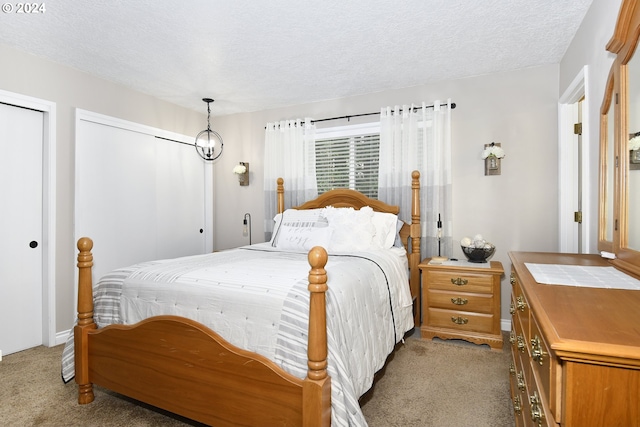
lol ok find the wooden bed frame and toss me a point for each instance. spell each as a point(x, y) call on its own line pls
point(182, 366)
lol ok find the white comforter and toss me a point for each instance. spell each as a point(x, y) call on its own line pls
point(256, 298)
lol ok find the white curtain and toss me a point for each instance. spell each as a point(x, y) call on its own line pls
point(419, 138)
point(289, 153)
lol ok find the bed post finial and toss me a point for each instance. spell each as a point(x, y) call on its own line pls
point(85, 320)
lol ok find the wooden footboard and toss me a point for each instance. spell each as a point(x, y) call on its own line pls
point(181, 366)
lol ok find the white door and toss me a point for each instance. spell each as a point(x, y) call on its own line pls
point(21, 142)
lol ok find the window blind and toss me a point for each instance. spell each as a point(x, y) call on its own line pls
point(348, 162)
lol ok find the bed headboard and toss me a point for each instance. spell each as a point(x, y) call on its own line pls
point(410, 232)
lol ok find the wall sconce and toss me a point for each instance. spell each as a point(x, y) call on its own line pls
point(246, 226)
point(209, 142)
point(242, 170)
point(492, 154)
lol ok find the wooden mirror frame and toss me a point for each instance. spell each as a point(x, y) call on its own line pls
point(606, 197)
point(623, 44)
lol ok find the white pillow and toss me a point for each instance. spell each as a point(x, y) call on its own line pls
point(385, 224)
point(305, 218)
point(353, 230)
point(303, 238)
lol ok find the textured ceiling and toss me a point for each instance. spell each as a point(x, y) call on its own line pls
point(256, 55)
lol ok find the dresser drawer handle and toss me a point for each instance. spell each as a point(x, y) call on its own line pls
point(512, 279)
point(460, 320)
point(520, 381)
point(520, 303)
point(517, 404)
point(537, 416)
point(459, 281)
point(537, 353)
point(520, 343)
point(459, 301)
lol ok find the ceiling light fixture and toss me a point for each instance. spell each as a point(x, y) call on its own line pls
point(209, 142)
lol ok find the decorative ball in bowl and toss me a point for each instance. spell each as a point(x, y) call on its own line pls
point(478, 255)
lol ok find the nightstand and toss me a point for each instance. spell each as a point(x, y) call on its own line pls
point(462, 300)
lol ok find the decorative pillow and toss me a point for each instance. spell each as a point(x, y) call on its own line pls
point(353, 230)
point(303, 219)
point(303, 238)
point(385, 224)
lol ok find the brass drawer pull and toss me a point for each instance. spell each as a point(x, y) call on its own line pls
point(459, 320)
point(459, 301)
point(459, 281)
point(512, 279)
point(537, 416)
point(512, 309)
point(517, 404)
point(521, 345)
point(537, 353)
point(512, 337)
point(512, 368)
point(520, 303)
point(520, 381)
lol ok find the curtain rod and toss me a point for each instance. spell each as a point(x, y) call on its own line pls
point(453, 105)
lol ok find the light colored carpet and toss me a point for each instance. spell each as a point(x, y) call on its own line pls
point(425, 383)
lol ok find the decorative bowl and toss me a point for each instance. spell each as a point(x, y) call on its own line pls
point(478, 255)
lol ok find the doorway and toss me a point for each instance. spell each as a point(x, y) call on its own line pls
point(576, 217)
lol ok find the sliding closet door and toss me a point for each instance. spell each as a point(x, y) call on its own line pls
point(138, 197)
point(179, 214)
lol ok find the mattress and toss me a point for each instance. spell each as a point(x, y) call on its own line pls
point(256, 298)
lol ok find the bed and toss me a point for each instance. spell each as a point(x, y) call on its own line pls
point(176, 363)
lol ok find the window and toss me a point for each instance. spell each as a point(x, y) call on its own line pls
point(347, 157)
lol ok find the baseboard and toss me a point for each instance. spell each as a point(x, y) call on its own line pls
point(505, 324)
point(61, 337)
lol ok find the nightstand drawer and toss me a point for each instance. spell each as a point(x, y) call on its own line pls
point(480, 303)
point(460, 281)
point(460, 320)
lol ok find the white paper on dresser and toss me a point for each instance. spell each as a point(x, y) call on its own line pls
point(582, 276)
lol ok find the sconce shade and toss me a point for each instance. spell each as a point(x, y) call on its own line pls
point(209, 142)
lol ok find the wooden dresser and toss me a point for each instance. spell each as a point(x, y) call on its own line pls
point(462, 301)
point(576, 350)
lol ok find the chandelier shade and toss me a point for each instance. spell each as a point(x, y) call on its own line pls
point(209, 142)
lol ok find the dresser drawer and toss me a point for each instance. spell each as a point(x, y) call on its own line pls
point(546, 370)
point(517, 397)
point(460, 320)
point(535, 410)
point(458, 281)
point(479, 303)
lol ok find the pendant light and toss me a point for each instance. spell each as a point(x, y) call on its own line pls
point(209, 142)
